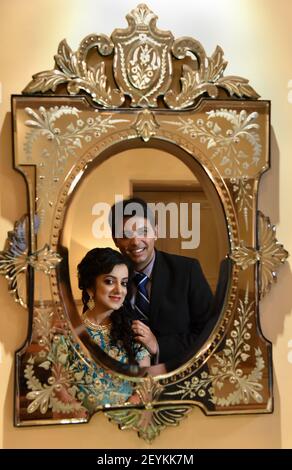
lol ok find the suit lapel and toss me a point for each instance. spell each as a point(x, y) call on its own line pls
point(158, 285)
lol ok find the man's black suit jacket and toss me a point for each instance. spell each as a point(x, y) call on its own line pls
point(180, 304)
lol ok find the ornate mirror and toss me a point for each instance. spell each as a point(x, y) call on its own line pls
point(140, 113)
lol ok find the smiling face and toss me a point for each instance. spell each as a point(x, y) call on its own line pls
point(111, 289)
point(137, 241)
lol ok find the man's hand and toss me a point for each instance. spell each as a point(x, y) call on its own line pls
point(144, 335)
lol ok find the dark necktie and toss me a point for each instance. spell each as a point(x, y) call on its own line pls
point(142, 304)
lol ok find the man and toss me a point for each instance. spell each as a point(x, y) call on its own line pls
point(176, 302)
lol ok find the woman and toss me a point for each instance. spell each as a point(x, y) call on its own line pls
point(103, 276)
point(83, 385)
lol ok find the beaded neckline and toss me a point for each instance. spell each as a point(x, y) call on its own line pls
point(96, 326)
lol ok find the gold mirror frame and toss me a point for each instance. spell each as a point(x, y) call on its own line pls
point(139, 87)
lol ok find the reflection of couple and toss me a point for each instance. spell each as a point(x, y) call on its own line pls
point(168, 302)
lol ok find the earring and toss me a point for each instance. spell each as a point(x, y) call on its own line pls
point(91, 303)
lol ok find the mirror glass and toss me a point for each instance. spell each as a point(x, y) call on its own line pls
point(191, 226)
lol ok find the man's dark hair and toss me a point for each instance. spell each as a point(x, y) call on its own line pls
point(126, 208)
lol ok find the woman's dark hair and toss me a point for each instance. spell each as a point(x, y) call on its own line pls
point(102, 261)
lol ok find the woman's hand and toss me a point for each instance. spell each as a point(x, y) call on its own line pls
point(158, 369)
point(144, 335)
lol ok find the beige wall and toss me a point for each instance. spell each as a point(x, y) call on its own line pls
point(256, 36)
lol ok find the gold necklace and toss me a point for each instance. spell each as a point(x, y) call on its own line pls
point(96, 326)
